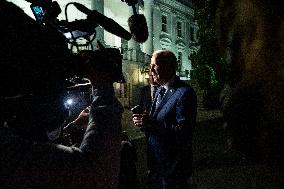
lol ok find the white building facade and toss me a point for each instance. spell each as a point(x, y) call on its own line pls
point(175, 29)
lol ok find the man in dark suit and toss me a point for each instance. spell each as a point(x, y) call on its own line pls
point(170, 124)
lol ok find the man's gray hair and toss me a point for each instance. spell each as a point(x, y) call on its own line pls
point(165, 56)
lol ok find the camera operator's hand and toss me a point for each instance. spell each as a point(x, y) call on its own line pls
point(81, 121)
point(141, 120)
point(83, 118)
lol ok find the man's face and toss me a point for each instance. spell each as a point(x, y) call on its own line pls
point(151, 79)
point(161, 72)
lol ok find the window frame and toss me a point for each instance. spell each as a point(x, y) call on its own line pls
point(179, 29)
point(164, 23)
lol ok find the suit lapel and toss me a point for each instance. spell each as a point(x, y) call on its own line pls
point(172, 89)
point(153, 106)
point(166, 98)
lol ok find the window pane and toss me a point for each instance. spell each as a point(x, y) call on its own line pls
point(179, 62)
point(124, 45)
point(191, 33)
point(164, 23)
point(179, 29)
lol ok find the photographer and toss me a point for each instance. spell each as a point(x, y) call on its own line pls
point(33, 78)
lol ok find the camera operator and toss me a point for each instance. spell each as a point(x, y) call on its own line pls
point(33, 82)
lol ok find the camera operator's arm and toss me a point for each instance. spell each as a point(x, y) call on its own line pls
point(81, 122)
point(83, 118)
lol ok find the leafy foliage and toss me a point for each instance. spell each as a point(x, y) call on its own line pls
point(206, 62)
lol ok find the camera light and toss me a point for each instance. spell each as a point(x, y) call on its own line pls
point(70, 101)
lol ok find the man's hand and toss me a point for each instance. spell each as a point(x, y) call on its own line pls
point(140, 120)
point(83, 118)
point(81, 121)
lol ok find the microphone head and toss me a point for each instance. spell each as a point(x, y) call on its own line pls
point(138, 28)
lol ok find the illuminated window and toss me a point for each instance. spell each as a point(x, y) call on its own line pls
point(179, 28)
point(179, 62)
point(164, 23)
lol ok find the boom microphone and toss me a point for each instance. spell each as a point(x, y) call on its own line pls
point(138, 28)
point(107, 23)
point(137, 24)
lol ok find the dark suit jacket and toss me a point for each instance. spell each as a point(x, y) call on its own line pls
point(171, 129)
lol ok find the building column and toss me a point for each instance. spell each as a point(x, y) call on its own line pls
point(148, 12)
point(99, 6)
point(134, 50)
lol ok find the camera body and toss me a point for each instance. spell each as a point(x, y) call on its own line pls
point(44, 69)
point(38, 13)
point(105, 60)
point(45, 10)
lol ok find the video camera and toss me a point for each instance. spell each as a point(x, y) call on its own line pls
point(46, 13)
point(37, 63)
point(105, 60)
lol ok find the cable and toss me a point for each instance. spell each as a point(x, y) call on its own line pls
point(71, 33)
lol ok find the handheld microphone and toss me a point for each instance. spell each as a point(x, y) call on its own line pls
point(107, 23)
point(137, 24)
